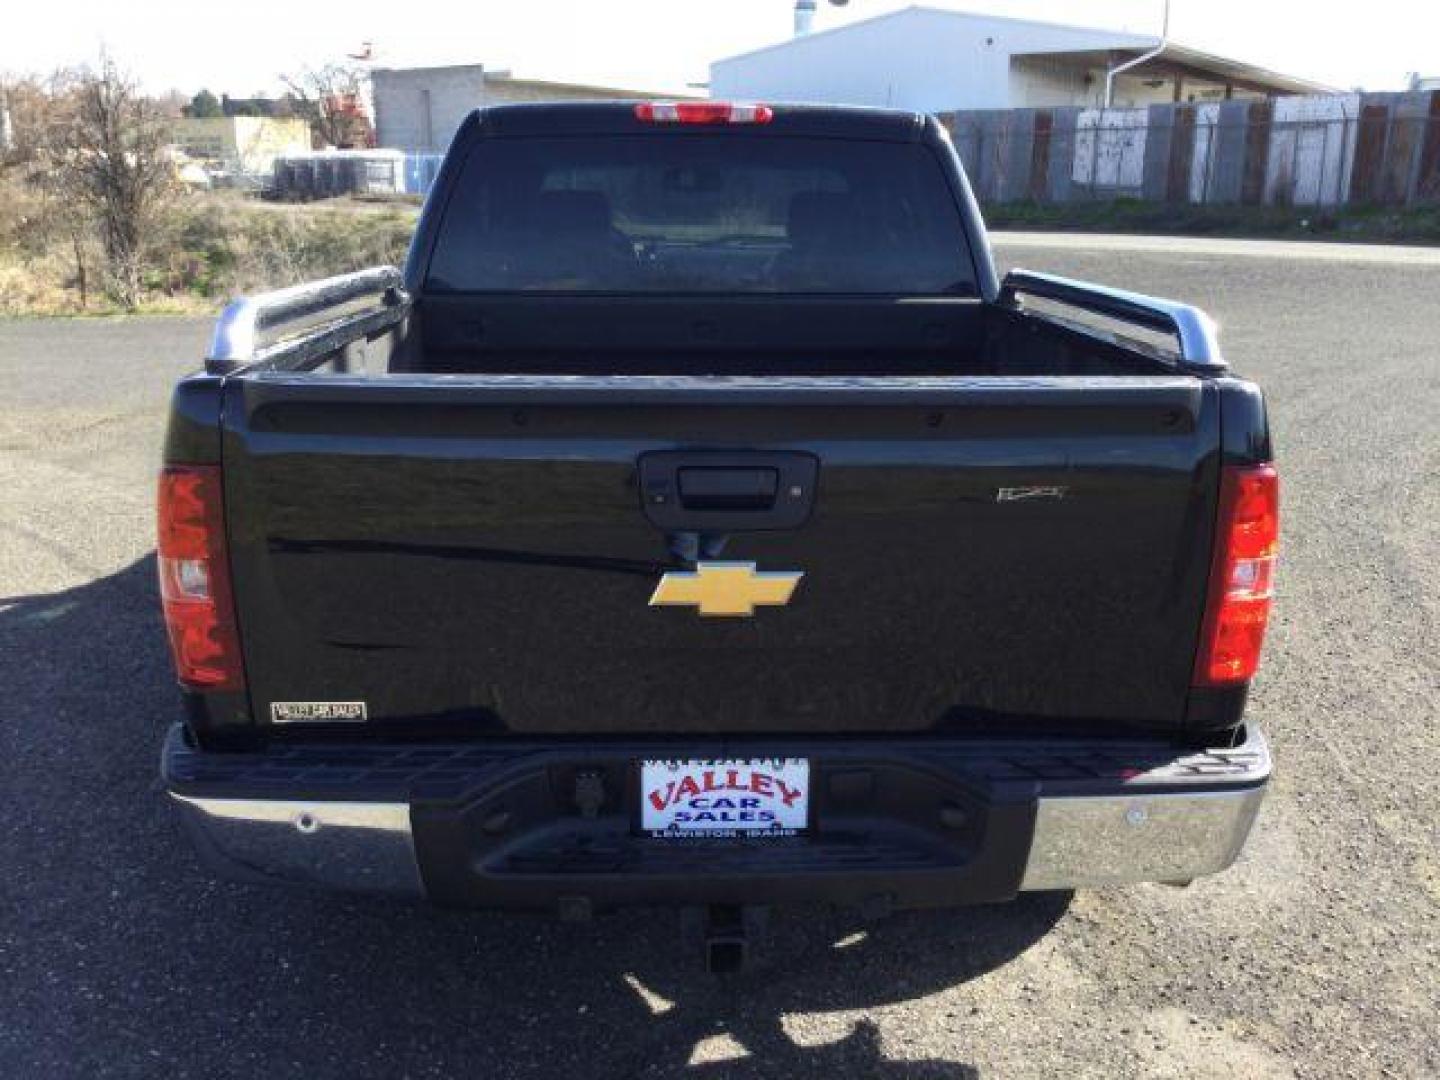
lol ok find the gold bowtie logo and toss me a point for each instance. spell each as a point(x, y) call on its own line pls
point(725, 588)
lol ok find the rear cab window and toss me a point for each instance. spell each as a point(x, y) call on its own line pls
point(687, 214)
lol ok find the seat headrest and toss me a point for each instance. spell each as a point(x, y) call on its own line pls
point(578, 213)
point(820, 219)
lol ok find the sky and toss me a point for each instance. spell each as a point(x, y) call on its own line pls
point(650, 44)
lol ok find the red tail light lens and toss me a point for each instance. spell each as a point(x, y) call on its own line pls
point(1242, 576)
point(702, 112)
point(195, 579)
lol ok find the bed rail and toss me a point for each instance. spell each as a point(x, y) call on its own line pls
point(289, 327)
point(1198, 345)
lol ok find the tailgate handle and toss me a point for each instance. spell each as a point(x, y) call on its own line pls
point(725, 491)
point(719, 488)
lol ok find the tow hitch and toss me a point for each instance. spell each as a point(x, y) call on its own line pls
point(731, 936)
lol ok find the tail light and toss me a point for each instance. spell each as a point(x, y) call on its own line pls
point(702, 112)
point(195, 579)
point(1242, 577)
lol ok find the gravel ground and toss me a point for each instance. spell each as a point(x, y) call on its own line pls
point(1315, 956)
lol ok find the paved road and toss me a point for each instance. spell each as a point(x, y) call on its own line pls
point(1316, 955)
point(1016, 244)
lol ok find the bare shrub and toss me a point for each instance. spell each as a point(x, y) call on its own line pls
point(329, 97)
point(106, 149)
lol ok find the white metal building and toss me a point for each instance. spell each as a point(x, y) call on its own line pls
point(937, 60)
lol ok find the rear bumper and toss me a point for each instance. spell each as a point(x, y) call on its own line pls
point(913, 822)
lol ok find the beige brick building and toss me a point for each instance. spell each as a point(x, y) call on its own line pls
point(418, 109)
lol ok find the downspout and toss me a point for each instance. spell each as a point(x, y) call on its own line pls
point(1142, 58)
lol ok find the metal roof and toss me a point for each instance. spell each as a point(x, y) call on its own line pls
point(1116, 46)
point(504, 77)
point(1196, 64)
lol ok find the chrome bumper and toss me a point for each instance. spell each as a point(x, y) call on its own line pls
point(1121, 837)
point(353, 846)
point(1089, 842)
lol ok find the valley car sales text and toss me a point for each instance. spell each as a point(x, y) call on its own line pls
point(717, 799)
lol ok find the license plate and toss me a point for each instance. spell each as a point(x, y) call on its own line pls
point(753, 797)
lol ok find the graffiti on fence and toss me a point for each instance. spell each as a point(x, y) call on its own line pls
point(1110, 149)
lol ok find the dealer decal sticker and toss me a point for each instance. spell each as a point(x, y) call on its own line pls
point(316, 712)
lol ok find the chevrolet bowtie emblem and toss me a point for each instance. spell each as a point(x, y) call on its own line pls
point(725, 588)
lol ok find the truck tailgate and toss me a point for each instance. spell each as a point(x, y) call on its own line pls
point(478, 553)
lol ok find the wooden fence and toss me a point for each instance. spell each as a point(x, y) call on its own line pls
point(1330, 150)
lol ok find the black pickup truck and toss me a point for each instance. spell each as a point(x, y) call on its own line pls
point(697, 520)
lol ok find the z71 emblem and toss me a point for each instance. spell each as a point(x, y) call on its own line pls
point(1016, 494)
point(725, 588)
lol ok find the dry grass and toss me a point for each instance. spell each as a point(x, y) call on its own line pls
point(207, 248)
point(218, 245)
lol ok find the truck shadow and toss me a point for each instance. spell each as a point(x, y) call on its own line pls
point(124, 957)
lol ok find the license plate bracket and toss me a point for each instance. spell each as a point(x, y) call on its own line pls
point(731, 798)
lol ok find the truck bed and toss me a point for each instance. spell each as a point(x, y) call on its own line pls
point(748, 336)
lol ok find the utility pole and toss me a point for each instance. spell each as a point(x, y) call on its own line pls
point(7, 130)
point(805, 14)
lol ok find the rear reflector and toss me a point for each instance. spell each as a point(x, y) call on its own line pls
point(195, 579)
point(702, 112)
point(1242, 576)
